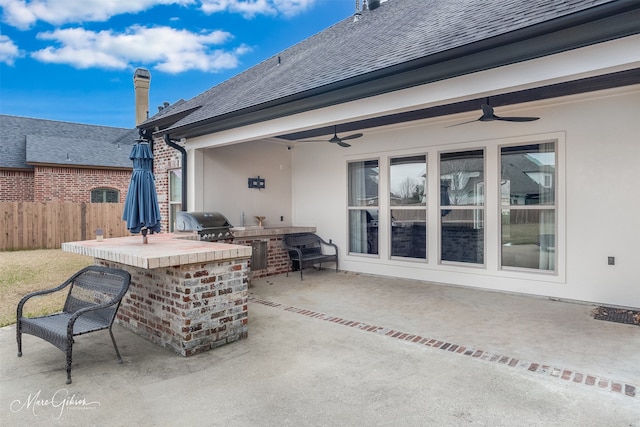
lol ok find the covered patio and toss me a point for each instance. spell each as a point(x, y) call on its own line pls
point(348, 349)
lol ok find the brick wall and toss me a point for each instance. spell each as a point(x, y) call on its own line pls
point(16, 186)
point(462, 243)
point(57, 184)
point(189, 308)
point(277, 256)
point(409, 239)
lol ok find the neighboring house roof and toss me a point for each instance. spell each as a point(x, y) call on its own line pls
point(388, 49)
point(28, 141)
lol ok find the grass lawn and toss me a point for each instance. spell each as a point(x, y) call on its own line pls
point(22, 272)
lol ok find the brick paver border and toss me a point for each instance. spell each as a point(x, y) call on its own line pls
point(614, 386)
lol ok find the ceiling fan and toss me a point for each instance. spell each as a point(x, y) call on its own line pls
point(489, 116)
point(336, 140)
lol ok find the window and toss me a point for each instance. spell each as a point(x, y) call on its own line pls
point(437, 205)
point(528, 201)
point(363, 206)
point(105, 195)
point(175, 195)
point(407, 197)
point(462, 206)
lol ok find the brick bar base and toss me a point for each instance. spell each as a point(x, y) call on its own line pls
point(277, 256)
point(189, 308)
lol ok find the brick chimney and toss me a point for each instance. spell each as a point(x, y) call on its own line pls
point(141, 82)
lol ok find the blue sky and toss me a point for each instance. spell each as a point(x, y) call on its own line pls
point(73, 60)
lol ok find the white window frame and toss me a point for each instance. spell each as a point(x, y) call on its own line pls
point(376, 206)
point(474, 207)
point(417, 207)
point(539, 207)
point(492, 212)
point(173, 203)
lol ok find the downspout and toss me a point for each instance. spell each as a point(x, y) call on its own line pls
point(182, 150)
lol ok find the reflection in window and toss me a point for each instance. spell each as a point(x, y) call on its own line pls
point(461, 206)
point(528, 195)
point(363, 195)
point(407, 177)
point(528, 174)
point(462, 175)
point(409, 233)
point(407, 184)
point(105, 195)
point(363, 183)
point(363, 231)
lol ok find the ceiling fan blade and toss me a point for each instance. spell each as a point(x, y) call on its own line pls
point(517, 119)
point(463, 123)
point(354, 136)
point(488, 115)
point(335, 139)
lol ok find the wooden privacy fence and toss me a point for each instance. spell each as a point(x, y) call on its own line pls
point(38, 225)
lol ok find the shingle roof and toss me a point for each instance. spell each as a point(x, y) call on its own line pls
point(24, 141)
point(398, 32)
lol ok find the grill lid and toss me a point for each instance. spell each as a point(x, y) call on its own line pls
point(200, 221)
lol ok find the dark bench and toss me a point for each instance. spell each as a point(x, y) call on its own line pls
point(308, 249)
point(93, 298)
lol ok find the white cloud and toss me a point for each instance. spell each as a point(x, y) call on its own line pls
point(8, 50)
point(250, 8)
point(24, 14)
point(293, 7)
point(166, 49)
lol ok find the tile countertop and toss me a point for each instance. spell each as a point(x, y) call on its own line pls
point(163, 250)
point(247, 232)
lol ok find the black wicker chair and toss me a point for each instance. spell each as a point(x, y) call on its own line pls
point(307, 249)
point(93, 299)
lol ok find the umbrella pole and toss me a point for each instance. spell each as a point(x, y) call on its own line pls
point(144, 235)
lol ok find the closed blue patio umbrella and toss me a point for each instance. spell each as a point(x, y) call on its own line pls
point(141, 209)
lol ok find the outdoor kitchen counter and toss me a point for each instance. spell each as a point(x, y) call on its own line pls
point(186, 295)
point(251, 232)
point(163, 250)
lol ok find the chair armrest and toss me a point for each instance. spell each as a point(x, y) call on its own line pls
point(37, 293)
point(335, 247)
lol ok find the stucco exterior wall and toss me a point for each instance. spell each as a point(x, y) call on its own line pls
point(598, 153)
point(225, 183)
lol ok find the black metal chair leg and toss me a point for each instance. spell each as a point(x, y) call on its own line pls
point(113, 340)
point(69, 360)
point(19, 338)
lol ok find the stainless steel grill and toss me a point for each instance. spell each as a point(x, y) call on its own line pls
point(210, 226)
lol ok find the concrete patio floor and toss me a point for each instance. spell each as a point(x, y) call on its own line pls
point(341, 349)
